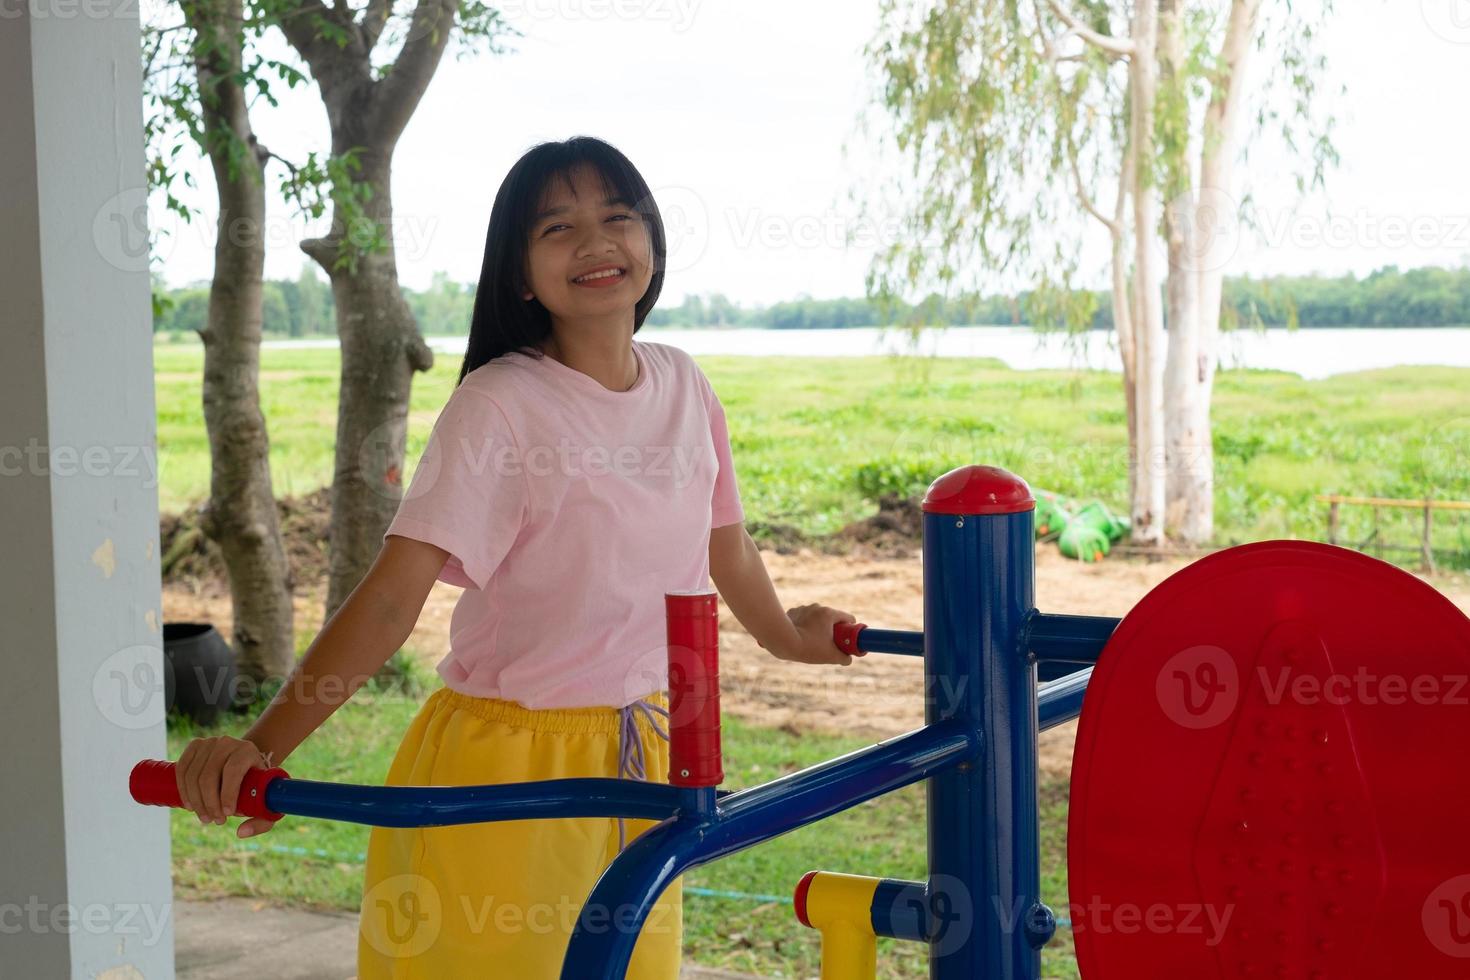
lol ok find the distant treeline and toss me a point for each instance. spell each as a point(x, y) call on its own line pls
point(1427, 297)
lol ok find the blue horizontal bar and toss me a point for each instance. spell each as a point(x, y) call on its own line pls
point(762, 812)
point(437, 806)
point(1066, 639)
point(1061, 701)
point(901, 910)
point(909, 643)
point(1055, 670)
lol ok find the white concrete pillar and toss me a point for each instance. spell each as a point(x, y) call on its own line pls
point(84, 872)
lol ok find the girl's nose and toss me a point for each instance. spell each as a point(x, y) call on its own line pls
point(597, 243)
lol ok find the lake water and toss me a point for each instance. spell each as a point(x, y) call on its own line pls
point(1317, 353)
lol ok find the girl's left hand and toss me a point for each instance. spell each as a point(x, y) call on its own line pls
point(813, 643)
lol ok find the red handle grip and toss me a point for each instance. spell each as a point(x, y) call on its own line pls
point(845, 635)
point(153, 783)
point(694, 688)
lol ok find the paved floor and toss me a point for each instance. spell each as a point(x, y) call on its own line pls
point(245, 939)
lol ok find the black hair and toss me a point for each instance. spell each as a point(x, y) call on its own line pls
point(502, 320)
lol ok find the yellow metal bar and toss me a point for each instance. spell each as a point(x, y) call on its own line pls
point(849, 952)
point(840, 907)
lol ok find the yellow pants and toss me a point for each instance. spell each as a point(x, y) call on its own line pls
point(499, 900)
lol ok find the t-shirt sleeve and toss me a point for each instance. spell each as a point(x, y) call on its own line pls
point(468, 494)
point(725, 505)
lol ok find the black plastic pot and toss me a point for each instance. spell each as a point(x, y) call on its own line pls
point(168, 683)
point(203, 670)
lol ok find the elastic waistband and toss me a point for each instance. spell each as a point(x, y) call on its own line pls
point(591, 719)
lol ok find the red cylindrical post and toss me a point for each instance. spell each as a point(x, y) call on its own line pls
point(694, 688)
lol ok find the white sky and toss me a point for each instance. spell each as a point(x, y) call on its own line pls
point(736, 112)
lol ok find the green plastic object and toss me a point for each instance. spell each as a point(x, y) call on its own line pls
point(1097, 516)
point(1052, 515)
point(1085, 532)
point(1084, 543)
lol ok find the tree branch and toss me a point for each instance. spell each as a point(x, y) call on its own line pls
point(373, 21)
point(1125, 184)
point(1049, 53)
point(1115, 227)
point(321, 55)
point(397, 95)
point(268, 155)
point(1118, 47)
point(1226, 95)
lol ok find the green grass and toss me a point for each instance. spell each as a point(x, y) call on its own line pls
point(816, 439)
point(318, 863)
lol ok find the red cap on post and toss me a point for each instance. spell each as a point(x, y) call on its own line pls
point(978, 490)
point(798, 899)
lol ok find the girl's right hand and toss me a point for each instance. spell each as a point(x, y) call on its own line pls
point(209, 773)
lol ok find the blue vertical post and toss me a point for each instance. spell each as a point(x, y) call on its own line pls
point(984, 849)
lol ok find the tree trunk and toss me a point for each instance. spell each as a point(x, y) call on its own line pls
point(1220, 147)
point(1186, 400)
point(381, 349)
point(1148, 321)
point(1188, 376)
point(380, 341)
point(1123, 312)
point(1127, 345)
point(1117, 228)
point(240, 515)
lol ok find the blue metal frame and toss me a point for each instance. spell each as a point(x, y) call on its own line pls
point(984, 838)
point(980, 908)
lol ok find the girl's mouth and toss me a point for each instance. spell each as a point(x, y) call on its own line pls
point(598, 280)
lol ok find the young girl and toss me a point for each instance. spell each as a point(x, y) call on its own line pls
point(573, 478)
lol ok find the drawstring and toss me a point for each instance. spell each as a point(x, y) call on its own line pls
point(630, 746)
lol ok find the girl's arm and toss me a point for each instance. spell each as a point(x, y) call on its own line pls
point(374, 622)
point(803, 634)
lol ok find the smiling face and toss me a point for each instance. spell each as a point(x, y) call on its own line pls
point(585, 229)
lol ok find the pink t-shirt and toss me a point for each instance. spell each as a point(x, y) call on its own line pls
point(568, 511)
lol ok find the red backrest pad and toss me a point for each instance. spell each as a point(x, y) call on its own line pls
point(1272, 776)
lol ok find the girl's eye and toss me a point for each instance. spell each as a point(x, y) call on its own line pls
point(551, 228)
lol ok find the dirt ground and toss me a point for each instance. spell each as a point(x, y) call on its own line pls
point(878, 695)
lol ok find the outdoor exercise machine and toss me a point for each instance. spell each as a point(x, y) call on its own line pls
point(1268, 779)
